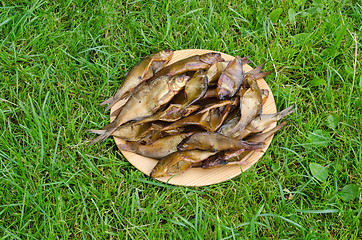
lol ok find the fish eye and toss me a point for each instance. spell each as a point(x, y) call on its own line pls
point(180, 79)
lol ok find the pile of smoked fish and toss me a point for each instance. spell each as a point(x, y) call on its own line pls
point(201, 111)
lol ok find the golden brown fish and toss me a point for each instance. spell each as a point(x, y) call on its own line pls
point(172, 113)
point(251, 102)
point(131, 132)
point(210, 118)
point(192, 63)
point(178, 162)
point(262, 121)
point(226, 157)
point(158, 149)
point(145, 101)
point(156, 134)
point(214, 72)
point(212, 141)
point(142, 71)
point(195, 88)
point(230, 157)
point(230, 79)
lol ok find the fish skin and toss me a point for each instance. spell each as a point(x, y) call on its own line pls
point(139, 73)
point(214, 72)
point(211, 141)
point(158, 149)
point(262, 121)
point(251, 102)
point(195, 88)
point(145, 101)
point(203, 119)
point(178, 162)
point(237, 156)
point(192, 63)
point(172, 113)
point(230, 79)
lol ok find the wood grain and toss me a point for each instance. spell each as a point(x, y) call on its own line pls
point(199, 176)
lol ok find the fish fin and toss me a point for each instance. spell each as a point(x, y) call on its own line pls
point(262, 74)
point(257, 73)
point(123, 101)
point(260, 67)
point(96, 131)
point(239, 127)
point(111, 104)
point(245, 60)
point(147, 73)
point(105, 132)
point(99, 138)
point(261, 137)
point(285, 112)
point(116, 112)
point(181, 108)
point(126, 147)
point(108, 101)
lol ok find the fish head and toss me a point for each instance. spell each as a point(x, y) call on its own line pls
point(169, 165)
point(250, 81)
point(180, 81)
point(224, 86)
point(165, 55)
point(211, 58)
point(238, 61)
point(186, 144)
point(160, 170)
point(190, 109)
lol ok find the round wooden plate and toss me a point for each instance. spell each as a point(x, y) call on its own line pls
point(200, 176)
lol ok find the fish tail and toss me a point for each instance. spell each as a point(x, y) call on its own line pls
point(116, 112)
point(237, 130)
point(104, 133)
point(261, 137)
point(110, 101)
point(107, 101)
point(277, 128)
point(115, 99)
point(257, 72)
point(96, 131)
point(263, 74)
point(111, 104)
point(285, 112)
point(255, 146)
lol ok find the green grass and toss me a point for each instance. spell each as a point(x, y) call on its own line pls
point(60, 59)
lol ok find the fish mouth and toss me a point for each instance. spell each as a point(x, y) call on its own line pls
point(168, 51)
point(212, 57)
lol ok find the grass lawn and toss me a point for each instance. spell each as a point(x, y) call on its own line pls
point(60, 59)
